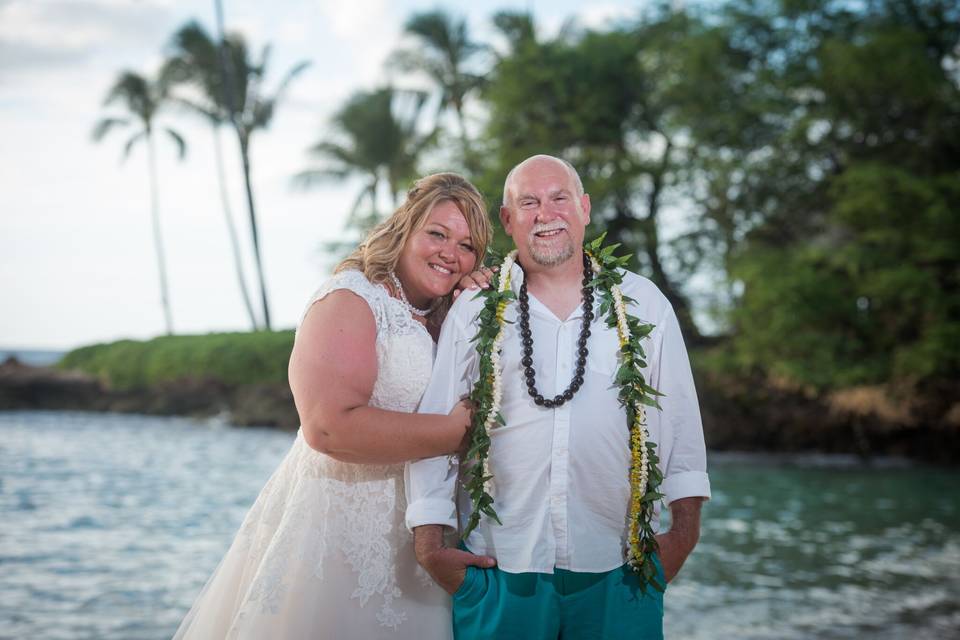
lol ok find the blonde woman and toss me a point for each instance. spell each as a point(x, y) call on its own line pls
point(324, 553)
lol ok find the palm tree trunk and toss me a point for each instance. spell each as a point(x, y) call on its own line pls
point(251, 209)
point(158, 234)
point(231, 228)
point(468, 162)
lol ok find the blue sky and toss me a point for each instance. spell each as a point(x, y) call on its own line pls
point(76, 255)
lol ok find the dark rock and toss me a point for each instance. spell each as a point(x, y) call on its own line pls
point(268, 405)
point(26, 387)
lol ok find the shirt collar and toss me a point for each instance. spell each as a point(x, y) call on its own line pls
point(516, 279)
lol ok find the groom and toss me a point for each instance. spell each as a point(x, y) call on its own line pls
point(556, 566)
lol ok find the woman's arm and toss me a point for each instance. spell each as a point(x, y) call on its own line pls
point(332, 371)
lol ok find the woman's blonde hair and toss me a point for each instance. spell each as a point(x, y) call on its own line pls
point(378, 255)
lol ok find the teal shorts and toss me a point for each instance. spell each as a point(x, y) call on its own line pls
point(493, 604)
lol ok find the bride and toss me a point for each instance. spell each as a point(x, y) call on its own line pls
point(323, 552)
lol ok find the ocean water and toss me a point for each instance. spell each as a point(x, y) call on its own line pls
point(33, 357)
point(111, 524)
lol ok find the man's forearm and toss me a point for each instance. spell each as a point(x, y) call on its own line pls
point(427, 539)
point(679, 542)
point(446, 566)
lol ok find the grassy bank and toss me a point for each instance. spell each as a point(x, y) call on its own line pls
point(231, 358)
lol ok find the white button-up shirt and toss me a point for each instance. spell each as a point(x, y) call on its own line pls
point(561, 485)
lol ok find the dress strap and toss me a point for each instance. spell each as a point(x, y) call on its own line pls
point(354, 281)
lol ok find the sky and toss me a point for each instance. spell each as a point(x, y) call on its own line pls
point(77, 261)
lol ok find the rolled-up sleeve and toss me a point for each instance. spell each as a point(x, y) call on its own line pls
point(431, 482)
point(685, 468)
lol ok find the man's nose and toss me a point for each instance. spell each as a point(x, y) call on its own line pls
point(546, 213)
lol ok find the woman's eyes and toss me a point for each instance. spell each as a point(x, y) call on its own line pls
point(441, 236)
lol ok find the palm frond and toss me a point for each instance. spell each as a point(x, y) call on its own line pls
point(294, 71)
point(209, 111)
point(178, 141)
point(310, 178)
point(105, 125)
point(517, 27)
point(134, 139)
point(368, 192)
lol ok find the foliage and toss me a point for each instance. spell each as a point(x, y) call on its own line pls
point(444, 54)
point(230, 358)
point(375, 136)
point(813, 146)
point(810, 150)
point(197, 62)
point(848, 245)
point(489, 323)
point(232, 86)
point(142, 99)
point(596, 99)
point(634, 396)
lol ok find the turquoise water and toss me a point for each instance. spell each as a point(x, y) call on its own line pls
point(110, 524)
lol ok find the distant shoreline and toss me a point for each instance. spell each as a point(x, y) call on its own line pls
point(267, 404)
point(744, 418)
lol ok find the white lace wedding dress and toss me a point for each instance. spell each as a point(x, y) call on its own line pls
point(323, 553)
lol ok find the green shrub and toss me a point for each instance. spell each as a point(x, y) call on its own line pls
point(231, 358)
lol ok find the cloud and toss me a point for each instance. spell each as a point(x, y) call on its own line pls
point(598, 16)
point(35, 36)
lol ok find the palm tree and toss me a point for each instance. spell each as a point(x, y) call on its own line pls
point(374, 136)
point(251, 109)
point(142, 98)
point(195, 60)
point(445, 52)
point(517, 27)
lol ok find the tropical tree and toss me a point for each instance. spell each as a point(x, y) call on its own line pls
point(251, 108)
point(517, 28)
point(375, 137)
point(196, 60)
point(850, 265)
point(444, 56)
point(141, 98)
point(597, 99)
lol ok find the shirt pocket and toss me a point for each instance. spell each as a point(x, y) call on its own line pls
point(603, 349)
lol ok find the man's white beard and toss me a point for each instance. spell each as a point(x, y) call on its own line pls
point(549, 256)
point(552, 256)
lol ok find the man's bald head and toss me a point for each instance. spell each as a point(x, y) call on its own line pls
point(508, 183)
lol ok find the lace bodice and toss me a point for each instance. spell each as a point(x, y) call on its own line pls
point(404, 348)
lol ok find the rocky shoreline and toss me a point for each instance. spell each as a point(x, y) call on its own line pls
point(24, 387)
point(737, 415)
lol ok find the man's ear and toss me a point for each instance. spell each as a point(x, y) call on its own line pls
point(505, 219)
point(585, 205)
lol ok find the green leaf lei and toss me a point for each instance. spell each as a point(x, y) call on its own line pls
point(635, 396)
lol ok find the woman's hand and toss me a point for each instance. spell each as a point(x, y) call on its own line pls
point(479, 279)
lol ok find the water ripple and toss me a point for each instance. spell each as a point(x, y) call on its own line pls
point(110, 525)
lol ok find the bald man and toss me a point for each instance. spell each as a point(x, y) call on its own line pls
point(556, 566)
